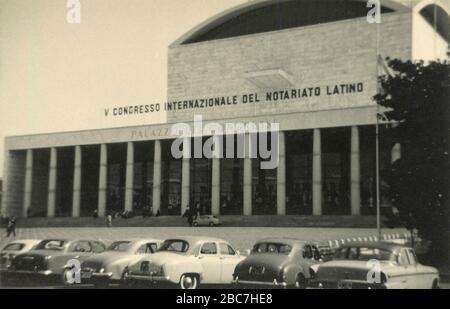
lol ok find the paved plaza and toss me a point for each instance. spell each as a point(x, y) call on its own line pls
point(241, 237)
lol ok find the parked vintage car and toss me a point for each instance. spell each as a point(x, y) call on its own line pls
point(375, 265)
point(14, 248)
point(206, 220)
point(279, 262)
point(187, 262)
point(49, 259)
point(110, 265)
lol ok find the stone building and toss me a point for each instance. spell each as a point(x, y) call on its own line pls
point(310, 66)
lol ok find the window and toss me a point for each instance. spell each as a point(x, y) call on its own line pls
point(81, 246)
point(226, 249)
point(412, 256)
point(97, 247)
point(403, 258)
point(14, 247)
point(316, 253)
point(147, 249)
point(120, 246)
point(272, 248)
point(307, 252)
point(363, 254)
point(175, 245)
point(209, 248)
point(51, 245)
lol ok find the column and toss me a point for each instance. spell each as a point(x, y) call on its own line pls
point(248, 177)
point(76, 183)
point(281, 176)
point(157, 177)
point(28, 182)
point(317, 173)
point(52, 184)
point(185, 176)
point(396, 153)
point(102, 182)
point(129, 177)
point(355, 173)
point(215, 191)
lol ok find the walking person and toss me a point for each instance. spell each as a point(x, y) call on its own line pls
point(189, 215)
point(109, 220)
point(11, 226)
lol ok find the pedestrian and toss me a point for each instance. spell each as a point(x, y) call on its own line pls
point(109, 221)
point(11, 226)
point(189, 215)
point(197, 213)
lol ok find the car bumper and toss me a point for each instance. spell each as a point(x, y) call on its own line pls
point(95, 276)
point(260, 283)
point(44, 273)
point(346, 284)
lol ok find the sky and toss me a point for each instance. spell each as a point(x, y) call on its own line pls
point(56, 76)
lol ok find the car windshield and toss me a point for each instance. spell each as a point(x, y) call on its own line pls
point(364, 254)
point(119, 246)
point(175, 245)
point(272, 248)
point(14, 247)
point(53, 244)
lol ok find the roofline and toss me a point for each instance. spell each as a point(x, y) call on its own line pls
point(226, 15)
point(421, 5)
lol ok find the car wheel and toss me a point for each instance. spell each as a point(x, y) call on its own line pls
point(300, 282)
point(68, 277)
point(435, 285)
point(211, 224)
point(195, 224)
point(189, 282)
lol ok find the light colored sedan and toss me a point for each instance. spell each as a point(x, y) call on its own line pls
point(375, 265)
point(206, 220)
point(14, 248)
point(187, 262)
point(109, 266)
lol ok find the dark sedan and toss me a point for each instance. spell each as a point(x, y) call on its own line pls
point(279, 262)
point(51, 259)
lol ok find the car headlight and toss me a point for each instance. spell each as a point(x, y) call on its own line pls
point(101, 270)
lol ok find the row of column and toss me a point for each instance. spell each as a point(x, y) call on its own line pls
point(355, 173)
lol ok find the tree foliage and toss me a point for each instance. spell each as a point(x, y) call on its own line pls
point(417, 99)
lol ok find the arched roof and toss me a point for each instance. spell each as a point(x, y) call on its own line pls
point(437, 15)
point(259, 16)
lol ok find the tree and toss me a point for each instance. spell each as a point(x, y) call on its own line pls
point(417, 98)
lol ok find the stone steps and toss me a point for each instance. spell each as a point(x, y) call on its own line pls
point(232, 221)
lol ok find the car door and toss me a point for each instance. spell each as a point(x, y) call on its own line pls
point(209, 258)
point(229, 258)
point(418, 279)
point(406, 273)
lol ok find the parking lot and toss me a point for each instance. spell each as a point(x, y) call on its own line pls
point(241, 238)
